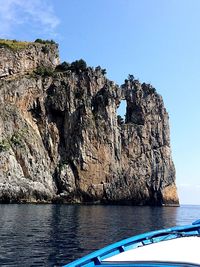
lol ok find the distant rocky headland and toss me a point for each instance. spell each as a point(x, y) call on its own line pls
point(62, 141)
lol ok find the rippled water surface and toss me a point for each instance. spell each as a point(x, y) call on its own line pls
point(53, 235)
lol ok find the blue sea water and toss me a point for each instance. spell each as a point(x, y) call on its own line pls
point(53, 235)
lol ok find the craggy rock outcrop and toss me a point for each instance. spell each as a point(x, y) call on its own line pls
point(61, 140)
point(26, 60)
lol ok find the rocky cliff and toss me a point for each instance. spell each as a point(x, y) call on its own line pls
point(62, 141)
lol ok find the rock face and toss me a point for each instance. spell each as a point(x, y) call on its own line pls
point(61, 139)
point(26, 60)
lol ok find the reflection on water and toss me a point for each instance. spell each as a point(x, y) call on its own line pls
point(53, 235)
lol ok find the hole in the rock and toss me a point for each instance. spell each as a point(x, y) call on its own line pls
point(121, 112)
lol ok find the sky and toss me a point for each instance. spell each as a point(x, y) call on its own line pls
point(157, 41)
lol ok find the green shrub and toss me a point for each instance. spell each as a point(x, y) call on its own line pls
point(148, 88)
point(75, 66)
point(126, 81)
point(16, 139)
point(103, 71)
point(131, 77)
point(62, 165)
point(45, 41)
point(4, 145)
point(64, 66)
point(98, 68)
point(78, 65)
point(45, 49)
point(44, 71)
point(39, 41)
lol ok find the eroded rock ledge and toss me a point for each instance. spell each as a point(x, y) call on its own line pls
point(61, 139)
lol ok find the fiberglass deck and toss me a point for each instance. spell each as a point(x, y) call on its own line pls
point(183, 250)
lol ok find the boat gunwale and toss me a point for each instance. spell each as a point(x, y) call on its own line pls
point(96, 258)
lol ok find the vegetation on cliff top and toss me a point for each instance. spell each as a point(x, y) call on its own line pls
point(133, 83)
point(45, 41)
point(77, 66)
point(13, 44)
point(17, 45)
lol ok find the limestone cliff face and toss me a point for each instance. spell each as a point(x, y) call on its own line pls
point(25, 60)
point(61, 140)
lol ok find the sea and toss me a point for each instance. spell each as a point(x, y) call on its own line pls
point(54, 235)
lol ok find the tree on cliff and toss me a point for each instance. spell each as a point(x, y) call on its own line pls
point(75, 66)
point(131, 77)
point(78, 65)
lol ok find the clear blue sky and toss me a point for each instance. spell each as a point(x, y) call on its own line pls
point(158, 41)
